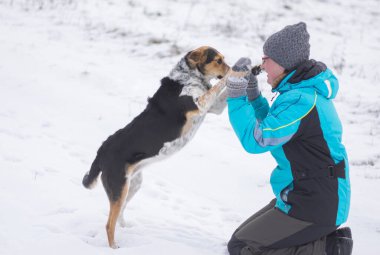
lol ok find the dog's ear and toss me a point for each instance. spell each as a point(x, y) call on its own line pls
point(195, 57)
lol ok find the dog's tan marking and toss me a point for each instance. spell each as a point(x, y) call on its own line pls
point(189, 121)
point(115, 208)
point(197, 56)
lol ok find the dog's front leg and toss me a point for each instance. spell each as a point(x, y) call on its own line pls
point(220, 103)
point(207, 100)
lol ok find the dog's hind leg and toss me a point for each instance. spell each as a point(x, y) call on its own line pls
point(134, 186)
point(120, 219)
point(116, 184)
point(115, 208)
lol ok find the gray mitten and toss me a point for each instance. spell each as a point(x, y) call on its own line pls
point(252, 89)
point(237, 86)
point(243, 64)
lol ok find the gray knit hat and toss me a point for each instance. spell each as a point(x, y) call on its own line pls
point(289, 47)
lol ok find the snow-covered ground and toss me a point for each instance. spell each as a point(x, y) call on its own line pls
point(74, 71)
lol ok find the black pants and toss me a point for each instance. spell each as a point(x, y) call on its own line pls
point(270, 231)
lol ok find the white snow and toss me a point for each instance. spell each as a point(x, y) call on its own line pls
point(73, 72)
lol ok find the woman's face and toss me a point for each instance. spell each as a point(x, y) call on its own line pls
point(272, 69)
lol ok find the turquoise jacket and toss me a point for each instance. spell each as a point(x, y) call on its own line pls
point(303, 132)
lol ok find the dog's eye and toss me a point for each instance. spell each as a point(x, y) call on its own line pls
point(219, 61)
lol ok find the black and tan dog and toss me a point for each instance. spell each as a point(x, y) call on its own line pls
point(169, 121)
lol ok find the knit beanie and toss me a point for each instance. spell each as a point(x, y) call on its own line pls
point(289, 47)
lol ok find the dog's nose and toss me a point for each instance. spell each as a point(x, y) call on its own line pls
point(256, 70)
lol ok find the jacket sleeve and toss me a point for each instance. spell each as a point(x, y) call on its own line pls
point(261, 107)
point(275, 129)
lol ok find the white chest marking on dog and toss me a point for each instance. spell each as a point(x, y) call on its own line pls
point(170, 148)
point(193, 91)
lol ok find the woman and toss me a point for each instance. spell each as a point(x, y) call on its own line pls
point(303, 133)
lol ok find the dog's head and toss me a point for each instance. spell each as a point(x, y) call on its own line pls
point(208, 61)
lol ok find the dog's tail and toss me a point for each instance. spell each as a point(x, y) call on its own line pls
point(90, 178)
